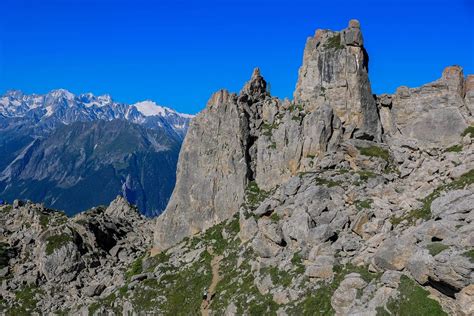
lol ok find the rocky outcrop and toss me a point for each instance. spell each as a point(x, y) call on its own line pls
point(216, 162)
point(469, 97)
point(337, 178)
point(69, 261)
point(434, 115)
point(335, 72)
point(252, 136)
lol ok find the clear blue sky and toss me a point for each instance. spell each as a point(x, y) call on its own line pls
point(178, 52)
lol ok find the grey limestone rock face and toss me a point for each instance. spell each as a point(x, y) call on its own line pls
point(469, 97)
point(435, 114)
point(335, 72)
point(215, 164)
point(252, 136)
point(344, 298)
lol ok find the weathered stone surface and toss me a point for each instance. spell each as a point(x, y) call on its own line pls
point(465, 300)
point(264, 246)
point(393, 254)
point(469, 97)
point(420, 266)
point(433, 114)
point(63, 264)
point(321, 267)
point(212, 173)
point(94, 289)
point(457, 201)
point(248, 228)
point(335, 72)
point(345, 295)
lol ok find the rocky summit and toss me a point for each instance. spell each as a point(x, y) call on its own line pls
point(339, 202)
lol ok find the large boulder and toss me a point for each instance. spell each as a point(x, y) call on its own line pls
point(60, 256)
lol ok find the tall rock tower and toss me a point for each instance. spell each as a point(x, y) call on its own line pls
point(216, 162)
point(255, 137)
point(335, 72)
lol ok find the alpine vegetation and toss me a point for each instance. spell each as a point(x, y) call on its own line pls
point(338, 202)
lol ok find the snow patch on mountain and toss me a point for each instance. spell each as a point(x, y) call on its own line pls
point(150, 108)
point(62, 106)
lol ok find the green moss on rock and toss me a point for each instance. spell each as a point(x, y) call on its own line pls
point(363, 204)
point(469, 254)
point(454, 149)
point(254, 195)
point(334, 42)
point(56, 241)
point(25, 302)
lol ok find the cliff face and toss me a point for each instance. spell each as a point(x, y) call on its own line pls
point(254, 137)
point(217, 161)
point(335, 72)
point(211, 171)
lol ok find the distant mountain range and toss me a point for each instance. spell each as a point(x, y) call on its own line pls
point(76, 151)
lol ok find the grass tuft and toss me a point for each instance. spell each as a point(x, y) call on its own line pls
point(254, 195)
point(412, 300)
point(363, 204)
point(56, 242)
point(454, 149)
point(469, 130)
point(374, 151)
point(469, 254)
point(436, 247)
point(334, 42)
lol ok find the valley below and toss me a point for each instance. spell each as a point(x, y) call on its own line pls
point(338, 202)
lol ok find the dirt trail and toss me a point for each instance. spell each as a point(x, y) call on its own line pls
point(215, 280)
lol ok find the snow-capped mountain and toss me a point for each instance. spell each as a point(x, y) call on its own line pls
point(62, 107)
point(76, 151)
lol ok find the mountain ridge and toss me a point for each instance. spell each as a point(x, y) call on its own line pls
point(44, 159)
point(65, 107)
point(339, 202)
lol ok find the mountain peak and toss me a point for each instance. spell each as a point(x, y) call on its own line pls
point(256, 85)
point(354, 24)
point(62, 93)
point(151, 108)
point(107, 98)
